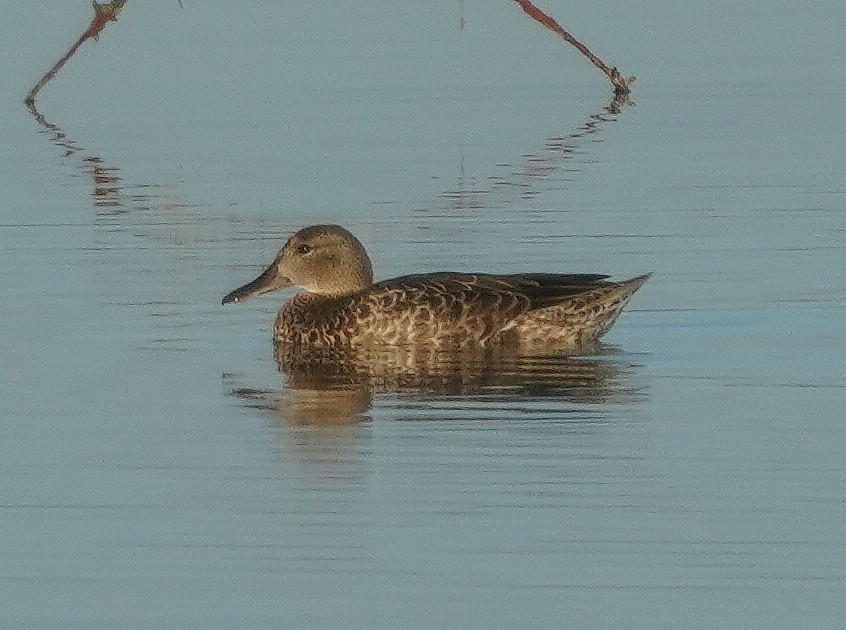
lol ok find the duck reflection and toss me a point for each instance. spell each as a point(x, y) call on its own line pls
point(328, 388)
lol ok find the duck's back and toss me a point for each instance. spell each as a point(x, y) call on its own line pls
point(448, 309)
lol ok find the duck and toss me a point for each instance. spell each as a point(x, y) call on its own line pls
point(341, 307)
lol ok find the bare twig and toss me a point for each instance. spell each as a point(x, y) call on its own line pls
point(621, 85)
point(103, 14)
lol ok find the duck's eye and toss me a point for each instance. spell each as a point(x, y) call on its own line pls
point(303, 249)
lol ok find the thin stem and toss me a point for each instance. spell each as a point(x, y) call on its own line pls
point(620, 84)
point(103, 14)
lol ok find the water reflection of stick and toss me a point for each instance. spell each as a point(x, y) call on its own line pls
point(621, 85)
point(526, 179)
point(106, 179)
point(103, 14)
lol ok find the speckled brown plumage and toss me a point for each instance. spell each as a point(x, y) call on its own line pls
point(344, 309)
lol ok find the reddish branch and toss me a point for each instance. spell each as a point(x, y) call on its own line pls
point(621, 85)
point(103, 14)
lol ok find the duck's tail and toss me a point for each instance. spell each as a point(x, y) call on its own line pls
point(580, 320)
point(607, 305)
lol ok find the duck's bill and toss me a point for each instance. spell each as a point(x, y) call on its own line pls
point(270, 280)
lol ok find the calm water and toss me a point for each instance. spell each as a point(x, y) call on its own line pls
point(157, 470)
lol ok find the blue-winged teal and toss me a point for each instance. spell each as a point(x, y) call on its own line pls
point(343, 308)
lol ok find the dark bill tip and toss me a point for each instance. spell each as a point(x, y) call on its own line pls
point(230, 297)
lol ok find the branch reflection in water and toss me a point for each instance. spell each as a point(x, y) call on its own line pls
point(536, 172)
point(110, 194)
point(330, 389)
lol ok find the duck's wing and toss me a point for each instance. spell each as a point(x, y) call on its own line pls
point(549, 289)
point(506, 295)
point(473, 307)
point(527, 291)
point(554, 279)
point(469, 307)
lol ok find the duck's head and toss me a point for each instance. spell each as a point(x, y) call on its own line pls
point(323, 259)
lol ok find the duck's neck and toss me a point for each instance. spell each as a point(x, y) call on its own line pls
point(351, 281)
point(313, 308)
point(308, 315)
